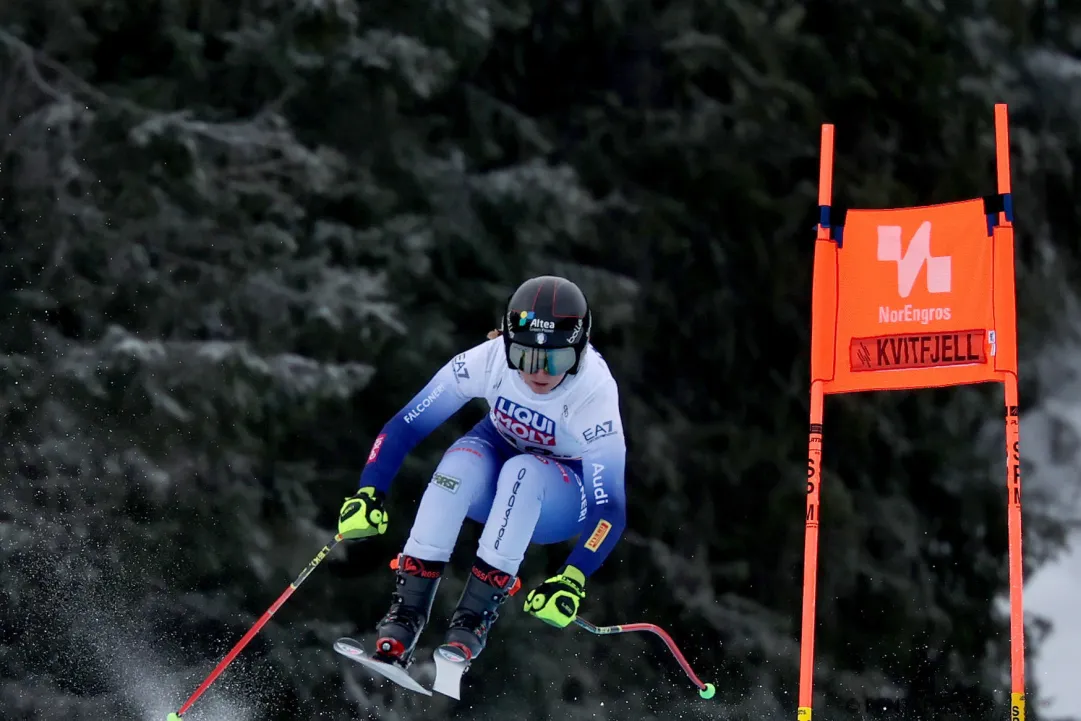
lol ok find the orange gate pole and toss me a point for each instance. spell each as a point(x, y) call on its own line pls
point(814, 473)
point(1013, 431)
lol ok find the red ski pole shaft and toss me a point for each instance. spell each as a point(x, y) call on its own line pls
point(706, 690)
point(229, 657)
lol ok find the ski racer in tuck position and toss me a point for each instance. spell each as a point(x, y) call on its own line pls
point(544, 465)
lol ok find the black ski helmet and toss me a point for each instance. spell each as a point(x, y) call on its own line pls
point(546, 324)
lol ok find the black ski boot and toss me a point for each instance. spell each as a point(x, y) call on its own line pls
point(398, 632)
point(485, 591)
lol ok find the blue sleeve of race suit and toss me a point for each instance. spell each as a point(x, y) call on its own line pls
point(429, 408)
point(604, 463)
point(606, 517)
point(463, 378)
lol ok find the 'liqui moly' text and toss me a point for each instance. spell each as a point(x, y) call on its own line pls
point(523, 423)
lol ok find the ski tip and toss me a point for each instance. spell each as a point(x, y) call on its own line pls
point(708, 692)
point(450, 664)
point(172, 717)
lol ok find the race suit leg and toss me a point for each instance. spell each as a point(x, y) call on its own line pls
point(463, 484)
point(537, 500)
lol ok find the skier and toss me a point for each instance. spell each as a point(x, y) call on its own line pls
point(545, 464)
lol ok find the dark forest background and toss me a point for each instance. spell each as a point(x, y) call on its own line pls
point(237, 236)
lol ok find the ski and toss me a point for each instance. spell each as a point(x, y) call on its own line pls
point(450, 665)
point(389, 670)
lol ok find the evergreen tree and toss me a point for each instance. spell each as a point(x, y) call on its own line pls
point(236, 237)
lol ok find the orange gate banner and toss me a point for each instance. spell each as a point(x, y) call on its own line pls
point(907, 298)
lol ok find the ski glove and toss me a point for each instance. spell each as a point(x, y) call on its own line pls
point(363, 515)
point(556, 600)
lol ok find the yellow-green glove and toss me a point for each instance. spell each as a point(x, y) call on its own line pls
point(556, 600)
point(363, 515)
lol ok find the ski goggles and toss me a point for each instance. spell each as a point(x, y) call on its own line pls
point(555, 361)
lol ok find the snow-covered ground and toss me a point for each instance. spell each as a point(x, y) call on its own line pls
point(1051, 436)
point(1055, 593)
point(1051, 463)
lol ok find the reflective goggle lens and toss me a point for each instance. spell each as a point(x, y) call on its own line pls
point(534, 360)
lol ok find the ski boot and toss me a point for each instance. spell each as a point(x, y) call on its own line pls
point(485, 591)
point(399, 630)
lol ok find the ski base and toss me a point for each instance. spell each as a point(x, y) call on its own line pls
point(388, 669)
point(450, 665)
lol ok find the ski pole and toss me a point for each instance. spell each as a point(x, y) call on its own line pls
point(705, 690)
point(254, 629)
